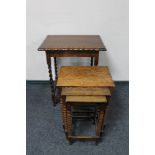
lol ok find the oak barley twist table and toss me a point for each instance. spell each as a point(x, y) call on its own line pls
point(84, 86)
point(70, 46)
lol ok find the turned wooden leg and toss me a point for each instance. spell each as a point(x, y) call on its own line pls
point(96, 58)
point(91, 61)
point(63, 111)
point(55, 67)
point(103, 123)
point(69, 122)
point(51, 78)
point(100, 121)
point(106, 111)
point(57, 91)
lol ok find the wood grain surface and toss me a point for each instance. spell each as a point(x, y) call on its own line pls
point(72, 42)
point(85, 76)
point(89, 99)
point(85, 91)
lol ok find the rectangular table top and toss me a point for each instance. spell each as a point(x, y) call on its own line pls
point(72, 42)
point(84, 76)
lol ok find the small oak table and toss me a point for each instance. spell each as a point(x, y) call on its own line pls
point(84, 86)
point(70, 46)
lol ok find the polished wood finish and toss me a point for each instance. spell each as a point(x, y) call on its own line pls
point(71, 53)
point(85, 76)
point(72, 42)
point(85, 91)
point(70, 46)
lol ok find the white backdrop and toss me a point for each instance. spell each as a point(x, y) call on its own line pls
point(107, 18)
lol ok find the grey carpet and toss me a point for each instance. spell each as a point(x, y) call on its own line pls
point(45, 135)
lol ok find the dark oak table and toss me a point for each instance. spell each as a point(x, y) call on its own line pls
point(70, 46)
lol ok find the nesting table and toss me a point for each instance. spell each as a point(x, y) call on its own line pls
point(70, 46)
point(84, 85)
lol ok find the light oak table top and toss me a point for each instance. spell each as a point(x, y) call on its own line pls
point(84, 76)
point(85, 91)
point(86, 99)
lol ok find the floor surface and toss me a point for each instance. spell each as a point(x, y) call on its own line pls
point(45, 135)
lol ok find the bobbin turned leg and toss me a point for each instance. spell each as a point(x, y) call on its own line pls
point(91, 61)
point(100, 122)
point(57, 90)
point(105, 111)
point(55, 67)
point(69, 123)
point(64, 113)
point(96, 58)
point(48, 58)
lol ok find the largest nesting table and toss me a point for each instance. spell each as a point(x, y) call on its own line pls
point(70, 46)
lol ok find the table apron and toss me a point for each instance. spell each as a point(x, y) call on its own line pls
point(72, 53)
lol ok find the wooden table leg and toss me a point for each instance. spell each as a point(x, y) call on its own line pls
point(69, 122)
point(55, 67)
point(64, 113)
point(96, 58)
point(57, 91)
point(106, 112)
point(48, 58)
point(91, 61)
point(100, 121)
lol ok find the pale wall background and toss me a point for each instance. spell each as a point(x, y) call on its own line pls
point(107, 18)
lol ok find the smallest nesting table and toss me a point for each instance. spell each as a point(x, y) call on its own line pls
point(84, 85)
